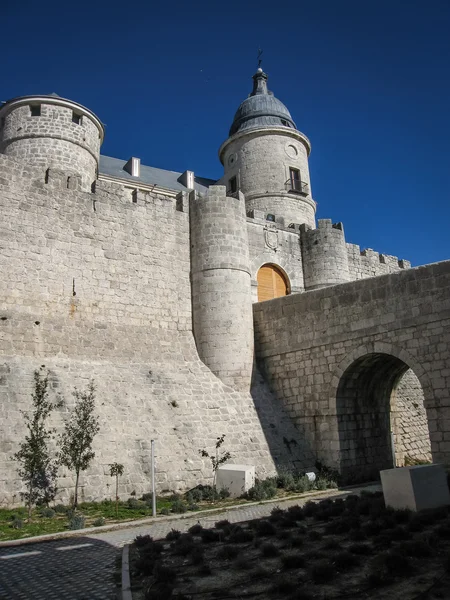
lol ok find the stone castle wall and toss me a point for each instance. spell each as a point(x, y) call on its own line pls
point(409, 421)
point(96, 285)
point(326, 350)
point(369, 263)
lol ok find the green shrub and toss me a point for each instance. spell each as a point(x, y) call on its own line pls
point(243, 564)
point(222, 524)
point(293, 561)
point(147, 497)
point(283, 585)
point(210, 535)
point(321, 483)
point(269, 550)
point(264, 528)
point(209, 493)
point(262, 490)
point(204, 570)
point(302, 485)
point(224, 493)
point(17, 523)
point(195, 529)
point(99, 522)
point(173, 534)
point(296, 513)
point(322, 572)
point(332, 544)
point(416, 548)
point(363, 549)
point(238, 535)
point(193, 507)
point(77, 522)
point(197, 555)
point(184, 544)
point(345, 560)
point(310, 508)
point(60, 509)
point(228, 552)
point(163, 573)
point(135, 504)
point(178, 506)
point(286, 480)
point(297, 541)
point(276, 514)
point(48, 513)
point(143, 540)
point(194, 495)
point(164, 511)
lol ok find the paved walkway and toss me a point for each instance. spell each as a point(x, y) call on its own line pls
point(81, 568)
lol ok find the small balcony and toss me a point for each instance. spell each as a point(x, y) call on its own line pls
point(297, 187)
point(233, 194)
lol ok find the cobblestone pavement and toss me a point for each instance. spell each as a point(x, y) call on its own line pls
point(81, 568)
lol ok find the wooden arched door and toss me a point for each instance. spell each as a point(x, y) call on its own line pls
point(272, 283)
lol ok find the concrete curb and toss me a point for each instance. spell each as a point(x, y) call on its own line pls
point(126, 582)
point(161, 519)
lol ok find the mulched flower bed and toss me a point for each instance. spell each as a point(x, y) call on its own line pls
point(342, 548)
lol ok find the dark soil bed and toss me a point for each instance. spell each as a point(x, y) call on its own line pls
point(342, 548)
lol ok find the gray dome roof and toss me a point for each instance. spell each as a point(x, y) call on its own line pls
point(261, 109)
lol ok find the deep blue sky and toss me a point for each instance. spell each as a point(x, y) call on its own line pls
point(367, 80)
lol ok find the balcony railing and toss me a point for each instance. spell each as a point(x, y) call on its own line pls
point(234, 194)
point(297, 186)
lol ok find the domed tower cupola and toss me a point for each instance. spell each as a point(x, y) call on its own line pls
point(266, 157)
point(261, 109)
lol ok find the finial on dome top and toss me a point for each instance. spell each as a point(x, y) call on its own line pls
point(260, 79)
point(260, 83)
point(259, 59)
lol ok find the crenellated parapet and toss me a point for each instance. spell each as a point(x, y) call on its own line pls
point(221, 292)
point(324, 255)
point(369, 263)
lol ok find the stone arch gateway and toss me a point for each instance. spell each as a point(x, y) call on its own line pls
point(364, 412)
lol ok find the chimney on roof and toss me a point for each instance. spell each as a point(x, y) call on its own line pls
point(133, 166)
point(187, 179)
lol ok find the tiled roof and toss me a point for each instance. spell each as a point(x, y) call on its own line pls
point(114, 167)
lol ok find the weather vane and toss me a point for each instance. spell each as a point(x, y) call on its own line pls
point(259, 58)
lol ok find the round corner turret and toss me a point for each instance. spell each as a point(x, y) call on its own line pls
point(324, 254)
point(53, 133)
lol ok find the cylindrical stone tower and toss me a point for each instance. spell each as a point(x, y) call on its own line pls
point(266, 158)
point(221, 291)
point(52, 132)
point(324, 254)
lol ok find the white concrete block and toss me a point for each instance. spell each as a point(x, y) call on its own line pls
point(237, 479)
point(416, 488)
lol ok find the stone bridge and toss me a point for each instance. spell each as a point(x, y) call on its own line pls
point(334, 357)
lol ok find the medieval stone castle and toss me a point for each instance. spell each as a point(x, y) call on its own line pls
point(203, 308)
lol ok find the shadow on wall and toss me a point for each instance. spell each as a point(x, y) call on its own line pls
point(71, 568)
point(287, 445)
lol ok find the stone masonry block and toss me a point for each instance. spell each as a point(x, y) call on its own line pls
point(237, 479)
point(416, 488)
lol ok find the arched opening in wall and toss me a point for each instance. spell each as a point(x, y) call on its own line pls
point(272, 283)
point(381, 417)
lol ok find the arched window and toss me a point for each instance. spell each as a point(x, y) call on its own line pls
point(272, 283)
